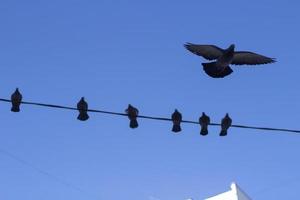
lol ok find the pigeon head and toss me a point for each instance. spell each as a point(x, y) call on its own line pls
point(231, 47)
point(17, 91)
point(203, 114)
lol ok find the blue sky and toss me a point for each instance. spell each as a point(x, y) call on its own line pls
point(119, 52)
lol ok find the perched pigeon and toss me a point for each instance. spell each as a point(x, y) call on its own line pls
point(224, 57)
point(82, 107)
point(225, 125)
point(204, 121)
point(132, 113)
point(16, 99)
point(176, 118)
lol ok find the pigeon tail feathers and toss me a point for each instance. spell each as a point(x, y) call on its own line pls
point(204, 131)
point(176, 128)
point(133, 124)
point(15, 108)
point(223, 133)
point(214, 71)
point(83, 116)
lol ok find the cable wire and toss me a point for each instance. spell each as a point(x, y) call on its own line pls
point(152, 117)
point(45, 173)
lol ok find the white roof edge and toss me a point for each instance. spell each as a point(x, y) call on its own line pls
point(235, 193)
point(237, 189)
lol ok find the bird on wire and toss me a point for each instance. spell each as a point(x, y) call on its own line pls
point(16, 99)
point(82, 107)
point(222, 58)
point(132, 113)
point(204, 121)
point(176, 118)
point(225, 125)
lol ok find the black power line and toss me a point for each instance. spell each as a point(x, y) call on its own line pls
point(150, 117)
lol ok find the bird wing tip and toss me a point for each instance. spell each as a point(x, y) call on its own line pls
point(189, 44)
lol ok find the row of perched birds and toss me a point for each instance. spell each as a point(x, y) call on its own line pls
point(222, 58)
point(133, 113)
point(204, 121)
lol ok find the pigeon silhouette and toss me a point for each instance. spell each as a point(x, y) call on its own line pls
point(132, 113)
point(82, 107)
point(16, 99)
point(224, 57)
point(204, 121)
point(225, 125)
point(176, 118)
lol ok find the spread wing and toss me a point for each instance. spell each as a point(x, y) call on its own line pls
point(210, 52)
point(250, 58)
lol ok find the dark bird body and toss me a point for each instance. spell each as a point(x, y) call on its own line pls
point(176, 118)
point(224, 57)
point(16, 99)
point(132, 113)
point(204, 121)
point(225, 125)
point(82, 107)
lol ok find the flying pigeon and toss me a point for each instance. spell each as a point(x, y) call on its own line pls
point(225, 125)
point(82, 107)
point(176, 118)
point(132, 113)
point(224, 57)
point(16, 99)
point(204, 121)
